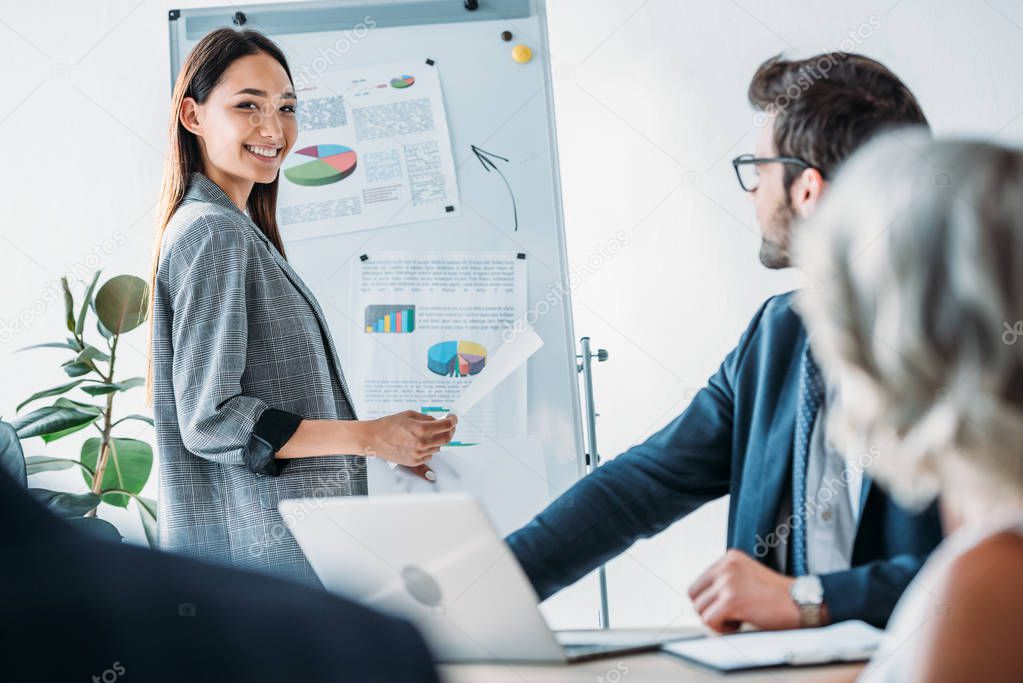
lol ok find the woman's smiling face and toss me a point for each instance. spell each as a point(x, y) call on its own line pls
point(247, 125)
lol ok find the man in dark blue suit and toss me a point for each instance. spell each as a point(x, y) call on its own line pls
point(810, 540)
point(78, 607)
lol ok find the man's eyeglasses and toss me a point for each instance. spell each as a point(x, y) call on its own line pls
point(745, 166)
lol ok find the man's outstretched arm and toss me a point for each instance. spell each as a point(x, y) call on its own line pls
point(639, 493)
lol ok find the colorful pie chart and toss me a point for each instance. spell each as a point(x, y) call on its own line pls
point(330, 164)
point(404, 81)
point(456, 358)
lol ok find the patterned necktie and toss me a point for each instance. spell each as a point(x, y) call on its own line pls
point(811, 393)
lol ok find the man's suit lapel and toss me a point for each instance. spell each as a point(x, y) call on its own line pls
point(864, 493)
point(776, 458)
point(762, 496)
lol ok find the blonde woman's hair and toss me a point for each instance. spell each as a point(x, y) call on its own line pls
point(915, 309)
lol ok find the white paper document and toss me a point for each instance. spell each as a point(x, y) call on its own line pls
point(428, 324)
point(623, 637)
point(847, 641)
point(373, 150)
point(506, 360)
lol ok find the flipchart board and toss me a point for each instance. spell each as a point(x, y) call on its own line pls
point(421, 204)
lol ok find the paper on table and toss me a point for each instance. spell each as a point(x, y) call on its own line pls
point(847, 641)
point(625, 637)
point(503, 362)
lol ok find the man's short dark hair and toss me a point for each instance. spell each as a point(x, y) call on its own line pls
point(827, 106)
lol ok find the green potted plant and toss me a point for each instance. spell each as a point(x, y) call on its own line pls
point(114, 469)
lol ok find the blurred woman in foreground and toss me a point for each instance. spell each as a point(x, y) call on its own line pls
point(915, 310)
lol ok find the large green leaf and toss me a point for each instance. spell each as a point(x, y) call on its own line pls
point(51, 345)
point(91, 353)
point(100, 527)
point(141, 418)
point(100, 389)
point(12, 458)
point(69, 305)
point(85, 304)
point(64, 402)
point(128, 466)
point(74, 369)
point(50, 392)
point(44, 463)
point(70, 403)
point(53, 422)
point(107, 334)
point(147, 512)
point(66, 504)
point(122, 303)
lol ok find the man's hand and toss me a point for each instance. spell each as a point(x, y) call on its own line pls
point(737, 589)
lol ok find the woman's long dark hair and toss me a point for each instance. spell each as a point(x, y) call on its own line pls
point(200, 74)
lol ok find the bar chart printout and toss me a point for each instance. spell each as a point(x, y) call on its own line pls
point(387, 319)
point(428, 323)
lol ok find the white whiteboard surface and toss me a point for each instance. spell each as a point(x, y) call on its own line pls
point(492, 102)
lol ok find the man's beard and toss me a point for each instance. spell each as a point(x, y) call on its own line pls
point(774, 252)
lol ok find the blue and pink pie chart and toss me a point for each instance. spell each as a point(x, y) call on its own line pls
point(403, 81)
point(329, 164)
point(456, 358)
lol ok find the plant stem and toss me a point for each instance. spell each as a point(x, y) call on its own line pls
point(104, 448)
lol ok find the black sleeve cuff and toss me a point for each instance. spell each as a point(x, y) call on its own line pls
point(272, 430)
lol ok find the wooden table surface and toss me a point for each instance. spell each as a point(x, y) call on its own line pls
point(651, 667)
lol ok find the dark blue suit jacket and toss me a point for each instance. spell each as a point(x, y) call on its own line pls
point(734, 438)
point(77, 607)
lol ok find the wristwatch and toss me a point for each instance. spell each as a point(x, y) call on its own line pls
point(808, 594)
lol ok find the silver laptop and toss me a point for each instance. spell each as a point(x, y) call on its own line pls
point(436, 560)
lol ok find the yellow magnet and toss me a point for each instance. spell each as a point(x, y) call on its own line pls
point(522, 54)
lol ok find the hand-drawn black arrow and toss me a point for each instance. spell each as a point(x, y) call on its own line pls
point(488, 164)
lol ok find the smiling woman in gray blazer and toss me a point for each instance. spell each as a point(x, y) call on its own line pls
point(248, 394)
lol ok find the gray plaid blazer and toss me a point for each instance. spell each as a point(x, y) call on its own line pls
point(236, 331)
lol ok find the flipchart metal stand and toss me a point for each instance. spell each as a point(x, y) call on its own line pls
point(585, 366)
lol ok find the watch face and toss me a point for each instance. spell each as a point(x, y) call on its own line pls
point(807, 590)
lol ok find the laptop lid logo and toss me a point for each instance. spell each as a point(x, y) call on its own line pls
point(421, 586)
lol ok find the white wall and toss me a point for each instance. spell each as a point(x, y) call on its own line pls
point(651, 104)
point(651, 107)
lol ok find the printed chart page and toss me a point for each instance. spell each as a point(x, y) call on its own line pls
point(373, 150)
point(429, 323)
